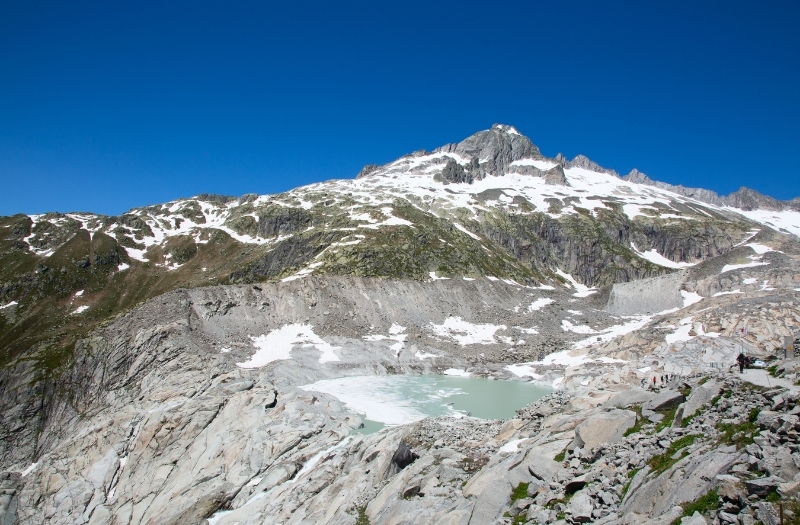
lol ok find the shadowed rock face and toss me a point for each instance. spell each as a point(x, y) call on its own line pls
point(404, 456)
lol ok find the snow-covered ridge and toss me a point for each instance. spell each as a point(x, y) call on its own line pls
point(412, 179)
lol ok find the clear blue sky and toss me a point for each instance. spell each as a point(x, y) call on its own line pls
point(105, 106)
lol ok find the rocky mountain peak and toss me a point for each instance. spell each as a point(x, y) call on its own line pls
point(637, 176)
point(495, 149)
point(747, 199)
point(581, 161)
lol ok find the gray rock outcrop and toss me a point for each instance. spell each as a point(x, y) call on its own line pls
point(604, 428)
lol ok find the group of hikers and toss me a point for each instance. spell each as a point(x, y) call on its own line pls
point(664, 380)
point(742, 361)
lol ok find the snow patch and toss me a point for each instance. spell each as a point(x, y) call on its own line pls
point(458, 226)
point(540, 303)
point(730, 267)
point(456, 372)
point(9, 305)
point(760, 249)
point(543, 165)
point(736, 291)
point(277, 345)
point(465, 332)
point(30, 469)
point(682, 332)
point(787, 221)
point(422, 355)
point(690, 298)
point(654, 257)
point(581, 290)
point(80, 310)
point(511, 446)
point(578, 329)
point(524, 370)
point(612, 332)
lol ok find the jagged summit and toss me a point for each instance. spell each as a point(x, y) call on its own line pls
point(503, 150)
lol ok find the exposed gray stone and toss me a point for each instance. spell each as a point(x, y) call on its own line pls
point(664, 400)
point(605, 427)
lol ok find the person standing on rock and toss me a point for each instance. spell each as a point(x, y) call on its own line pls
point(654, 381)
point(644, 379)
point(741, 359)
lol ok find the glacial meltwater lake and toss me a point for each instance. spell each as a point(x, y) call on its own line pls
point(400, 399)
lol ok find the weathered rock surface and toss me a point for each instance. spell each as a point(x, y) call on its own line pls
point(664, 400)
point(604, 428)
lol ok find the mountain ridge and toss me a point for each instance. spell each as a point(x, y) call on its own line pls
point(489, 206)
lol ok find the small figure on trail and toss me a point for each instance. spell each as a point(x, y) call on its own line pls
point(662, 380)
point(643, 380)
point(741, 359)
point(654, 381)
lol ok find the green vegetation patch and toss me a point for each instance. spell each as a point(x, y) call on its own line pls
point(664, 461)
point(519, 492)
point(739, 434)
point(669, 417)
point(705, 503)
point(631, 475)
point(637, 427)
point(362, 518)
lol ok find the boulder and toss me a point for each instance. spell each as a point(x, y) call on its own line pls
point(541, 467)
point(605, 427)
point(768, 419)
point(665, 400)
point(700, 397)
point(790, 488)
point(686, 481)
point(580, 506)
point(767, 514)
point(694, 519)
point(403, 456)
point(575, 484)
point(762, 486)
point(490, 503)
point(630, 397)
point(730, 489)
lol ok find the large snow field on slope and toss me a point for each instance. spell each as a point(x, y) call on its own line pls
point(466, 333)
point(786, 220)
point(278, 344)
